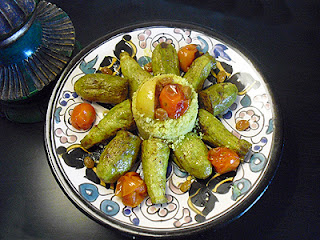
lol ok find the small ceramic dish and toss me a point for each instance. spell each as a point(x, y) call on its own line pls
point(209, 203)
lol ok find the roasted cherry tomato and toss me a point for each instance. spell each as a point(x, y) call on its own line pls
point(131, 188)
point(173, 100)
point(83, 116)
point(186, 56)
point(223, 159)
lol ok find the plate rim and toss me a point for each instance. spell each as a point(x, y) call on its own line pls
point(274, 155)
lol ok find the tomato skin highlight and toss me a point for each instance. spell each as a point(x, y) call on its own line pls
point(186, 56)
point(223, 159)
point(131, 188)
point(173, 101)
point(83, 116)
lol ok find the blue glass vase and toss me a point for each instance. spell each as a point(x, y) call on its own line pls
point(36, 42)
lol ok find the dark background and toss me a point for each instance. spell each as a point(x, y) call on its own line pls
point(282, 36)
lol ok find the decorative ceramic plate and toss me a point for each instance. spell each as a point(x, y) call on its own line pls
point(208, 203)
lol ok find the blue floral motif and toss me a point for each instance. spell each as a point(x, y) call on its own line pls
point(245, 101)
point(128, 212)
point(257, 162)
point(219, 51)
point(259, 145)
point(240, 187)
point(270, 127)
point(136, 221)
point(57, 114)
point(227, 115)
point(109, 207)
point(204, 46)
point(87, 67)
point(66, 97)
point(89, 191)
point(63, 103)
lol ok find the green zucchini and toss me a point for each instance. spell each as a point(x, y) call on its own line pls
point(216, 134)
point(104, 88)
point(165, 60)
point(218, 98)
point(199, 71)
point(118, 156)
point(192, 155)
point(131, 70)
point(119, 117)
point(155, 156)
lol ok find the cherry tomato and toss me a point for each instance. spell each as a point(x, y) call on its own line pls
point(186, 56)
point(83, 116)
point(131, 188)
point(223, 159)
point(173, 100)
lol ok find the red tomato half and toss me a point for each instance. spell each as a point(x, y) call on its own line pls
point(83, 116)
point(131, 188)
point(223, 159)
point(186, 56)
point(173, 101)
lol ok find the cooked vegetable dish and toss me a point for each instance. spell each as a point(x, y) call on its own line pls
point(160, 113)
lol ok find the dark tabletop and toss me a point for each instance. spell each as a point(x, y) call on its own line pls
point(283, 37)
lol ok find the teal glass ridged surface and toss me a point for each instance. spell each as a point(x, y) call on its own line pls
point(36, 42)
point(33, 59)
point(24, 47)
